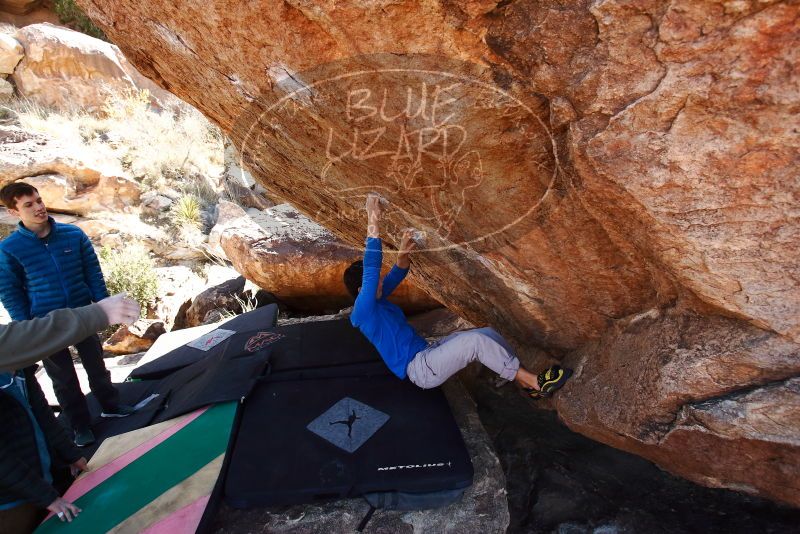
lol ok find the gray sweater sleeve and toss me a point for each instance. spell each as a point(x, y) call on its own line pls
point(23, 343)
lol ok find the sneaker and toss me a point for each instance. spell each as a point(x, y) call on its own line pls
point(550, 380)
point(83, 437)
point(122, 410)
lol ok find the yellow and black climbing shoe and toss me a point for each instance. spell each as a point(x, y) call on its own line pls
point(550, 380)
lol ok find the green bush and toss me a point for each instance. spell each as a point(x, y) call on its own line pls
point(130, 270)
point(73, 16)
point(186, 211)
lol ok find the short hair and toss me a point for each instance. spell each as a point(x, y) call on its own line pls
point(11, 192)
point(353, 276)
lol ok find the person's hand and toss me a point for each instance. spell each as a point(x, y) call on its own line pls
point(77, 467)
point(120, 309)
point(407, 244)
point(64, 510)
point(373, 206)
point(373, 214)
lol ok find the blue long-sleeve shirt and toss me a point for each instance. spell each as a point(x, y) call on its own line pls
point(382, 322)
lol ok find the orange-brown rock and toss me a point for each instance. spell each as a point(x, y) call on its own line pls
point(65, 68)
point(689, 391)
point(10, 54)
point(61, 193)
point(66, 183)
point(137, 337)
point(24, 153)
point(297, 260)
point(573, 166)
point(19, 7)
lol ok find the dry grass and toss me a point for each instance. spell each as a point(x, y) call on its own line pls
point(159, 148)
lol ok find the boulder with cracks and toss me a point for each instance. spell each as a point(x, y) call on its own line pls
point(572, 167)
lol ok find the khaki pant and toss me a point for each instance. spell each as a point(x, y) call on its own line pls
point(444, 358)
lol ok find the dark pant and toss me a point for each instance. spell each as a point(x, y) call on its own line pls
point(61, 371)
point(22, 519)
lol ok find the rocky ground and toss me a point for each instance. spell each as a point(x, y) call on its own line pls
point(560, 481)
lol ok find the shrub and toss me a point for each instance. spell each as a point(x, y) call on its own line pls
point(130, 270)
point(73, 16)
point(186, 211)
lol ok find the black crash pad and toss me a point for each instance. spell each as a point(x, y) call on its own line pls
point(401, 438)
point(221, 377)
point(263, 318)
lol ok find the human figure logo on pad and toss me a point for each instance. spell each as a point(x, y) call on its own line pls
point(349, 422)
point(438, 138)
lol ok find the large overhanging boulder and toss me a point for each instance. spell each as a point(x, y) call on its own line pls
point(573, 167)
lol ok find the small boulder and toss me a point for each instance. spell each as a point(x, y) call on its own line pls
point(6, 90)
point(226, 296)
point(246, 197)
point(154, 203)
point(62, 193)
point(138, 337)
point(24, 154)
point(11, 52)
point(297, 260)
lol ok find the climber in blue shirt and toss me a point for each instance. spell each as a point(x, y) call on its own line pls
point(403, 350)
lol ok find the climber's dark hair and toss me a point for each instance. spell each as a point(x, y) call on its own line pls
point(352, 277)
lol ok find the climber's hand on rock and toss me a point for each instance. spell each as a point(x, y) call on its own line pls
point(407, 244)
point(374, 209)
point(373, 214)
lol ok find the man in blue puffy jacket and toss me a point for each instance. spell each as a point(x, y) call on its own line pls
point(44, 266)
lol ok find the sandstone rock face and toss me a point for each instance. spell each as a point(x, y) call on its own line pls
point(668, 383)
point(67, 184)
point(19, 7)
point(295, 259)
point(65, 67)
point(62, 194)
point(24, 154)
point(11, 53)
point(572, 166)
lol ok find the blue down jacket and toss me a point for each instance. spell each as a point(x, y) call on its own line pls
point(37, 277)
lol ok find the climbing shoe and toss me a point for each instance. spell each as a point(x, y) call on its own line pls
point(550, 380)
